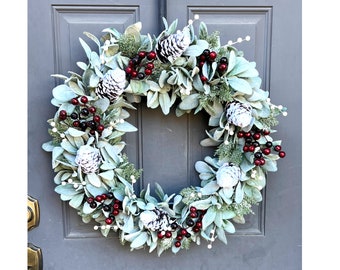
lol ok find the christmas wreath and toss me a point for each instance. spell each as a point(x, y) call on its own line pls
point(176, 68)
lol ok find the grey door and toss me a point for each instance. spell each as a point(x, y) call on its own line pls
point(271, 239)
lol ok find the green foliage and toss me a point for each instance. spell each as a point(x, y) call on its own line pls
point(96, 110)
point(223, 92)
point(190, 195)
point(128, 47)
point(129, 169)
point(230, 152)
point(243, 208)
point(213, 39)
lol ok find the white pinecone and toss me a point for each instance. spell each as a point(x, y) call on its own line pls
point(239, 114)
point(112, 85)
point(156, 220)
point(170, 47)
point(88, 158)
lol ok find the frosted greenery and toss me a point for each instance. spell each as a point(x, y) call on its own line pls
point(189, 73)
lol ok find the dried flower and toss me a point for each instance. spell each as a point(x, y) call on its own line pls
point(228, 175)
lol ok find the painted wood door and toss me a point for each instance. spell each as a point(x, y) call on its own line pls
point(270, 239)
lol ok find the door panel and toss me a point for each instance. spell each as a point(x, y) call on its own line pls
point(270, 239)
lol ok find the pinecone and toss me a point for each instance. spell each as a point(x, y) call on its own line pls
point(170, 47)
point(156, 220)
point(112, 85)
point(88, 158)
point(239, 114)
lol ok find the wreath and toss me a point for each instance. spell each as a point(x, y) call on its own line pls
point(177, 69)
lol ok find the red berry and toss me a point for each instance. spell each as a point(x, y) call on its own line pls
point(202, 58)
point(282, 154)
point(134, 73)
point(116, 206)
point(76, 123)
point(266, 132)
point(199, 224)
point(196, 229)
point(193, 209)
point(222, 67)
point(262, 161)
point(74, 101)
point(257, 162)
point(251, 148)
point(177, 244)
point(256, 136)
point(203, 78)
point(99, 198)
point(150, 65)
point(247, 134)
point(168, 234)
point(151, 55)
point(84, 99)
point(92, 109)
point(96, 118)
point(100, 128)
point(148, 71)
point(128, 70)
point(179, 237)
point(142, 54)
point(115, 212)
point(108, 221)
point(193, 214)
point(104, 196)
point(277, 148)
point(266, 151)
point(62, 115)
point(183, 232)
point(245, 148)
point(201, 64)
point(212, 55)
point(90, 199)
point(160, 234)
point(240, 134)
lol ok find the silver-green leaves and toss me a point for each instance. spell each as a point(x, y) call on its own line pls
point(174, 70)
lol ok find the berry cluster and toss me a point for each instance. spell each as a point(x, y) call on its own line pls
point(81, 120)
point(113, 207)
point(141, 65)
point(251, 144)
point(209, 57)
point(194, 220)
